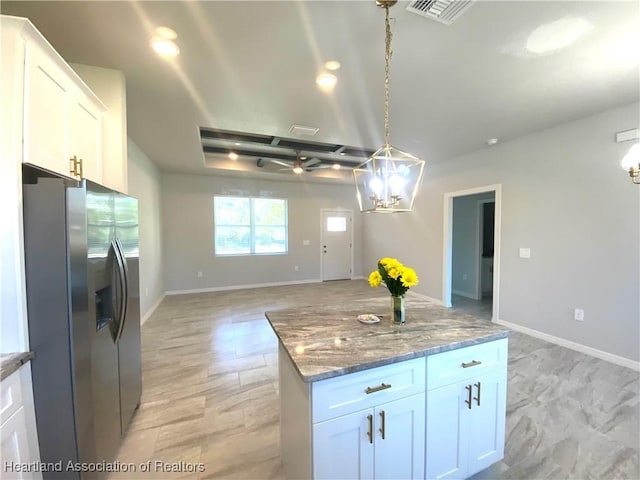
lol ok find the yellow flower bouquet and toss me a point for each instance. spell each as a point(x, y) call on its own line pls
point(395, 276)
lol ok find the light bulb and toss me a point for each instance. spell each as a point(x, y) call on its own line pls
point(397, 183)
point(376, 185)
point(632, 159)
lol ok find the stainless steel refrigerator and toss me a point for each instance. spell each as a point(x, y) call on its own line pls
point(81, 266)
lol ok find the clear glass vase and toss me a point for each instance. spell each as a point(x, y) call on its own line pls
point(397, 310)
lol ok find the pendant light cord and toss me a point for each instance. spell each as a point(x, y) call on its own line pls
point(387, 58)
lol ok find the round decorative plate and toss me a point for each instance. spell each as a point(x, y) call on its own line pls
point(368, 319)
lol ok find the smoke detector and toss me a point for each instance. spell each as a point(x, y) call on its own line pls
point(443, 11)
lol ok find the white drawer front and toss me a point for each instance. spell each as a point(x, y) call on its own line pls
point(459, 365)
point(338, 396)
point(10, 396)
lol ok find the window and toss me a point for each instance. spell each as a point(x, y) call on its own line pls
point(247, 226)
point(336, 224)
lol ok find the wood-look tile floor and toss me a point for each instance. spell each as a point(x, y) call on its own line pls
point(210, 396)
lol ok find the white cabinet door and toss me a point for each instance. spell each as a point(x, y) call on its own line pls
point(18, 438)
point(84, 137)
point(14, 443)
point(465, 428)
point(399, 439)
point(342, 447)
point(446, 432)
point(487, 422)
point(46, 115)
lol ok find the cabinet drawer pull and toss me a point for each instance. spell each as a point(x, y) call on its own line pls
point(382, 422)
point(382, 386)
point(472, 363)
point(477, 399)
point(370, 432)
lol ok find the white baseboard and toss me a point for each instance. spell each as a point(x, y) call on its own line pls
point(578, 347)
point(425, 297)
point(147, 315)
point(240, 287)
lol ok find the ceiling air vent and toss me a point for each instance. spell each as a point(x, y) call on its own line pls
point(443, 11)
point(302, 130)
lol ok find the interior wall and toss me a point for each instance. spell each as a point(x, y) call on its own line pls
point(187, 206)
point(144, 184)
point(566, 198)
point(465, 247)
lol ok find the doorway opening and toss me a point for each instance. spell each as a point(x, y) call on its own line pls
point(471, 268)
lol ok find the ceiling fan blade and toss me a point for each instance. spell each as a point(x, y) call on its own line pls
point(280, 162)
point(310, 162)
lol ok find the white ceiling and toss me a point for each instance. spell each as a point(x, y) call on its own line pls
point(251, 66)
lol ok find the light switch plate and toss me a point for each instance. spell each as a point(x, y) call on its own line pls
point(305, 242)
point(525, 253)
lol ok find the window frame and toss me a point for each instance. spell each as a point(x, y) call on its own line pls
point(252, 226)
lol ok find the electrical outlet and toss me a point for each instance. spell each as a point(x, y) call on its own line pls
point(199, 274)
point(465, 276)
point(296, 268)
point(578, 314)
point(146, 292)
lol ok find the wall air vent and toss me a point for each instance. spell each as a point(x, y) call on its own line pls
point(443, 11)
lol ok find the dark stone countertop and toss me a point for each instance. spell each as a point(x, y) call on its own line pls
point(326, 341)
point(11, 362)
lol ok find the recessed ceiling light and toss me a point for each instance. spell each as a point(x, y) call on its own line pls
point(491, 141)
point(166, 32)
point(233, 155)
point(326, 81)
point(165, 47)
point(332, 65)
point(552, 36)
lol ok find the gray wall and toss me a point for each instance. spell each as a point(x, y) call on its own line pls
point(187, 208)
point(564, 196)
point(144, 184)
point(465, 247)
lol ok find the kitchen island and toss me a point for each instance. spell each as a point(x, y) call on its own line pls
point(420, 400)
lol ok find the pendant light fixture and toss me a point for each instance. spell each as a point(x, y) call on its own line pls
point(631, 163)
point(388, 181)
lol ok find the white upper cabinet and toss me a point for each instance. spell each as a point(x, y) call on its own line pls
point(45, 113)
point(85, 138)
point(110, 86)
point(62, 117)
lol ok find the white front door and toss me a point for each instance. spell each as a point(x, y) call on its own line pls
point(336, 244)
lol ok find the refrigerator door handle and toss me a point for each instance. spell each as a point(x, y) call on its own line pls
point(122, 287)
point(125, 288)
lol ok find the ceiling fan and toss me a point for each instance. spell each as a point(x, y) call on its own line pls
point(300, 164)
